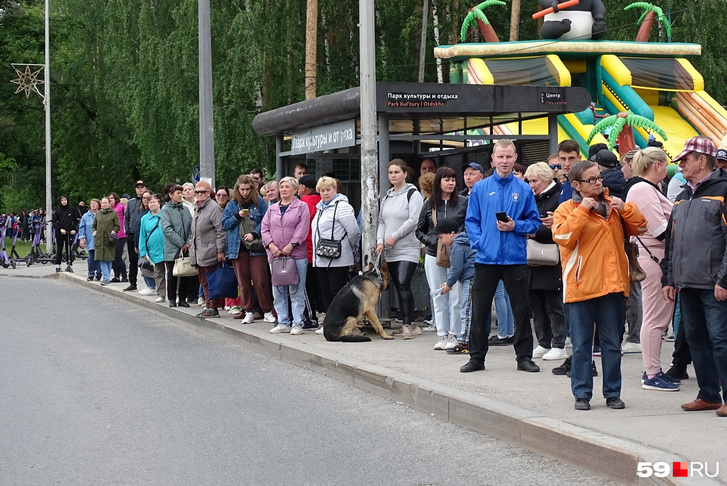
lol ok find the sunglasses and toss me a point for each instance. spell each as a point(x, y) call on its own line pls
point(201, 192)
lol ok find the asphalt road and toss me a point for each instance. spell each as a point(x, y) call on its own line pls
point(95, 391)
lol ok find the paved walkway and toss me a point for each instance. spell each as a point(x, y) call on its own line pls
point(534, 410)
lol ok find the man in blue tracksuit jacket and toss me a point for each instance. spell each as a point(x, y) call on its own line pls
point(501, 254)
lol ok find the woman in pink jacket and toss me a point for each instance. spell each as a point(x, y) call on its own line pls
point(649, 165)
point(284, 230)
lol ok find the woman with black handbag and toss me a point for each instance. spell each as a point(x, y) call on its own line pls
point(335, 234)
point(241, 219)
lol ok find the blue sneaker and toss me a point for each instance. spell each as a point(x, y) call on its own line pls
point(658, 383)
point(664, 377)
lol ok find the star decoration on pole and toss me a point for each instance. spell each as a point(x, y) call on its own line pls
point(28, 80)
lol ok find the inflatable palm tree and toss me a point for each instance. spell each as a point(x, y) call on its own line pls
point(651, 13)
point(477, 14)
point(621, 131)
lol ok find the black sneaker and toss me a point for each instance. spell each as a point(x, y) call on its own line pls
point(498, 341)
point(130, 288)
point(594, 370)
point(90, 279)
point(183, 303)
point(460, 348)
point(563, 369)
point(678, 372)
point(583, 404)
point(310, 324)
point(115, 280)
point(615, 403)
point(98, 277)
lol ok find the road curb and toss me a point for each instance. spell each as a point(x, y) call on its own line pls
point(611, 457)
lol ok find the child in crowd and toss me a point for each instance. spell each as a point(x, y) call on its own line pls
point(461, 269)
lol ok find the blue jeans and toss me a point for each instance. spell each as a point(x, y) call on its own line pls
point(150, 282)
point(505, 319)
point(94, 267)
point(609, 314)
point(705, 326)
point(106, 270)
point(465, 313)
point(297, 298)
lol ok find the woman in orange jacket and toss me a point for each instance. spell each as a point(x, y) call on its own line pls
point(589, 229)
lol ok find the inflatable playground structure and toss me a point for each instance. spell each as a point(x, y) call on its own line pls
point(653, 80)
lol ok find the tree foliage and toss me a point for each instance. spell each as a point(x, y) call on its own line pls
point(124, 97)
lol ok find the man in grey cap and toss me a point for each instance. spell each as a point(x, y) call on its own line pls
point(695, 264)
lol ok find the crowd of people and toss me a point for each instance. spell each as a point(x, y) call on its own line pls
point(549, 243)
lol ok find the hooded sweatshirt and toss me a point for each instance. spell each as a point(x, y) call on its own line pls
point(398, 217)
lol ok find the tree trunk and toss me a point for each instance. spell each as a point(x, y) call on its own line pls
point(311, 48)
point(515, 21)
point(423, 41)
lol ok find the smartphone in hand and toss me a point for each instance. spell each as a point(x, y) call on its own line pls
point(501, 216)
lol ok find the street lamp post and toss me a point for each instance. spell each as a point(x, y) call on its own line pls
point(46, 102)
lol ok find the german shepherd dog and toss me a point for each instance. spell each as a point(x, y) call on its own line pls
point(354, 302)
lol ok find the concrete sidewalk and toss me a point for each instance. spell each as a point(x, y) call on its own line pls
point(533, 410)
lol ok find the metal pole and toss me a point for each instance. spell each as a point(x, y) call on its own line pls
point(206, 121)
point(369, 159)
point(46, 103)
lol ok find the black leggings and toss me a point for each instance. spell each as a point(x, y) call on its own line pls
point(401, 274)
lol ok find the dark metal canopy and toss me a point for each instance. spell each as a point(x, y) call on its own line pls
point(429, 107)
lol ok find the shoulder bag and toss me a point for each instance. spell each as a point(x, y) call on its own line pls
point(636, 273)
point(542, 254)
point(183, 267)
point(442, 249)
point(328, 248)
point(248, 225)
point(284, 272)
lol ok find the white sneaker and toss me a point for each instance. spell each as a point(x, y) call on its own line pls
point(428, 328)
point(234, 310)
point(452, 342)
point(227, 307)
point(539, 352)
point(269, 317)
point(319, 330)
point(279, 329)
point(555, 354)
point(568, 344)
point(296, 330)
point(249, 317)
point(441, 343)
point(200, 301)
point(160, 300)
point(147, 291)
point(630, 348)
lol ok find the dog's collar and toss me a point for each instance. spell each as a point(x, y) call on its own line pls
point(377, 279)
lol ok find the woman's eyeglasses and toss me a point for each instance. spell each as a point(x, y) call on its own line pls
point(592, 180)
point(221, 195)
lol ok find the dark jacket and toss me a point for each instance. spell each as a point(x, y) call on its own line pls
point(132, 217)
point(65, 217)
point(546, 277)
point(696, 247)
point(615, 181)
point(444, 210)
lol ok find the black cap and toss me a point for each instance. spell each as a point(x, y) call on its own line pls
point(721, 154)
point(595, 148)
point(139, 183)
point(447, 225)
point(308, 181)
point(605, 158)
